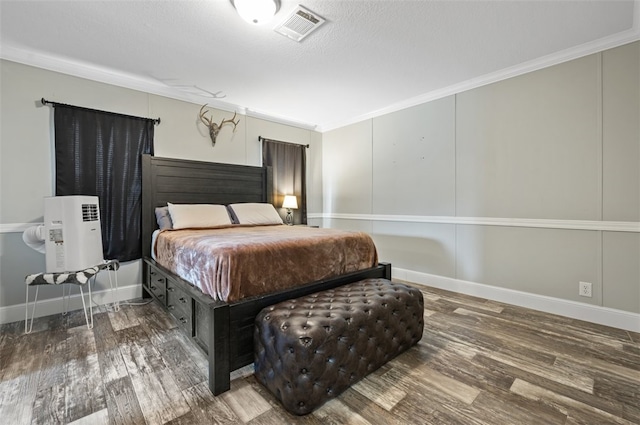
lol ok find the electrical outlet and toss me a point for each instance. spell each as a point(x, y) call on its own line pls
point(584, 289)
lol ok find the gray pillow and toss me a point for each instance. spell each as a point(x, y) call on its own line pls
point(163, 218)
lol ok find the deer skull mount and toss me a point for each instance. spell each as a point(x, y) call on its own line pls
point(214, 128)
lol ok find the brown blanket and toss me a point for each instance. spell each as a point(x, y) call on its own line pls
point(239, 262)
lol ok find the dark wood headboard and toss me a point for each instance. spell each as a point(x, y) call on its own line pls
point(182, 181)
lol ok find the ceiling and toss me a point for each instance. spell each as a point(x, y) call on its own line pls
point(370, 57)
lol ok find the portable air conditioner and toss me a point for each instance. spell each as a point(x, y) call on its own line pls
point(73, 237)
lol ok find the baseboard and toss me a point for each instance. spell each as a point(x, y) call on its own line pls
point(51, 306)
point(575, 310)
point(581, 311)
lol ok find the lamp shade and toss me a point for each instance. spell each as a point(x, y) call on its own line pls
point(291, 202)
point(256, 11)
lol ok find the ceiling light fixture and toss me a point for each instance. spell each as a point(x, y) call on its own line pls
point(256, 11)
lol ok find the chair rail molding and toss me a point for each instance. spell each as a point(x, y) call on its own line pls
point(611, 226)
point(16, 227)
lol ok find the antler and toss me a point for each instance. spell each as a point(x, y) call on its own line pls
point(231, 121)
point(204, 119)
point(214, 128)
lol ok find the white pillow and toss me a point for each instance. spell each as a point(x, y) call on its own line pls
point(185, 216)
point(252, 213)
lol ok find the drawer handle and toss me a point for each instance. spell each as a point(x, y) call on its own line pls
point(183, 320)
point(152, 273)
point(183, 300)
point(171, 307)
point(153, 288)
point(160, 295)
point(171, 289)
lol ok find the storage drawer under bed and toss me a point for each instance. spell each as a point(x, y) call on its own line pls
point(180, 306)
point(157, 284)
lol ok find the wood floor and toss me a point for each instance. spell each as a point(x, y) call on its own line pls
point(479, 362)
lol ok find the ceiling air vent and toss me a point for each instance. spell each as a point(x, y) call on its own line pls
point(299, 24)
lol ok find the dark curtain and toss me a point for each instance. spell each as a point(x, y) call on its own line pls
point(99, 153)
point(289, 164)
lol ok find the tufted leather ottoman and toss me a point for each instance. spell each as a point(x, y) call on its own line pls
point(310, 349)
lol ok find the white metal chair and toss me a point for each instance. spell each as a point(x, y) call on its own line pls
point(80, 278)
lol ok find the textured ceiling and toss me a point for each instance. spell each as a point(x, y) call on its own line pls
point(369, 57)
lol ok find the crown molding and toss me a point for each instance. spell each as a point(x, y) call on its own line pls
point(130, 81)
point(280, 120)
point(566, 55)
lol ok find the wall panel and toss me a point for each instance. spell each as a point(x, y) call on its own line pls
point(314, 174)
point(529, 146)
point(346, 164)
point(621, 271)
point(539, 261)
point(414, 160)
point(349, 224)
point(621, 133)
point(422, 247)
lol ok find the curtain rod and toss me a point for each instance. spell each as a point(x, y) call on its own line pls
point(54, 104)
point(262, 139)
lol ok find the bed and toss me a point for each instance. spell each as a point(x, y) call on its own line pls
point(223, 330)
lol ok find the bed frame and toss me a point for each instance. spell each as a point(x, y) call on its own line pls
point(223, 331)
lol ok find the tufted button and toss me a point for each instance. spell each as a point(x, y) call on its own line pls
point(305, 340)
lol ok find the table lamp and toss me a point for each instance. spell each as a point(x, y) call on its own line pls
point(290, 203)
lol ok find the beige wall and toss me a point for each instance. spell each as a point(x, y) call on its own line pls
point(26, 161)
point(448, 187)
